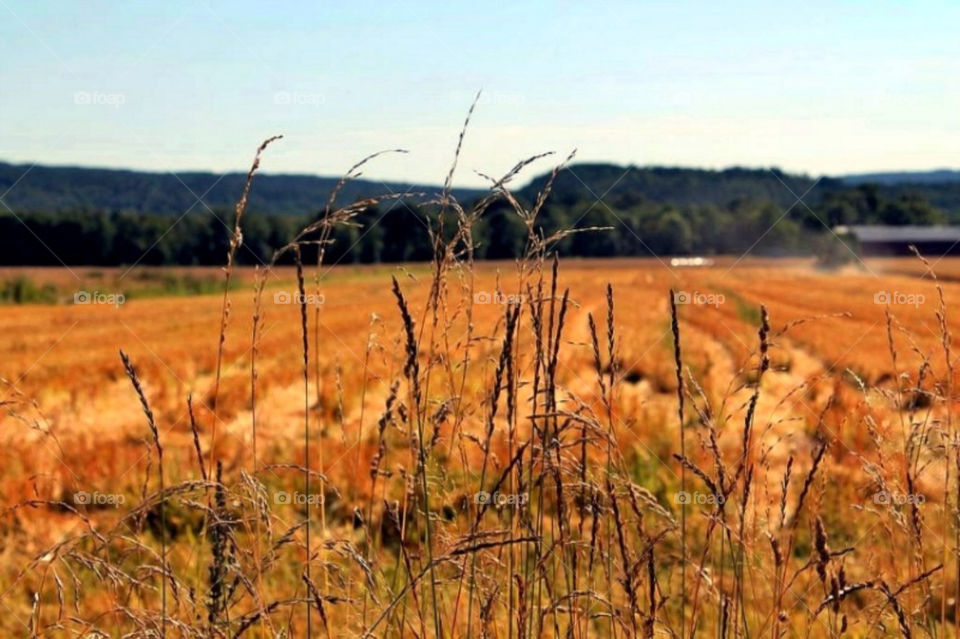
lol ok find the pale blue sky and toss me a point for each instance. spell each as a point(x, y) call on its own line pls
point(819, 88)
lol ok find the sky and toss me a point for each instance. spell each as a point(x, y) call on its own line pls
point(823, 88)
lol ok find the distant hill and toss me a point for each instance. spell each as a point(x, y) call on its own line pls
point(107, 217)
point(941, 188)
point(49, 189)
point(892, 178)
point(630, 186)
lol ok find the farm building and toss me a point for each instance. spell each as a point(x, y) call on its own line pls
point(896, 240)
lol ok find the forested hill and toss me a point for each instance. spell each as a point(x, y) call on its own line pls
point(104, 217)
point(46, 189)
point(631, 186)
point(939, 176)
point(932, 197)
point(941, 188)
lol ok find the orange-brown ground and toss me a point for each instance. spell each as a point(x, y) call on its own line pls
point(72, 421)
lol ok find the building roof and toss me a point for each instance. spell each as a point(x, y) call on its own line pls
point(879, 233)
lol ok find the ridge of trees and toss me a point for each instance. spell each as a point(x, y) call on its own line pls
point(99, 217)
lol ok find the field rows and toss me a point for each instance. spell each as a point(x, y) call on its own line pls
point(73, 423)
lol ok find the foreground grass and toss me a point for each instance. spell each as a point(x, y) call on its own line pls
point(573, 460)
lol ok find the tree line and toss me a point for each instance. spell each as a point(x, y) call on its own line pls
point(398, 232)
point(659, 211)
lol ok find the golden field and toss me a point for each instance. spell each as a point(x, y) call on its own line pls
point(496, 384)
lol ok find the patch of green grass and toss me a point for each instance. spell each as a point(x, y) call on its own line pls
point(23, 290)
point(165, 284)
point(645, 469)
point(746, 311)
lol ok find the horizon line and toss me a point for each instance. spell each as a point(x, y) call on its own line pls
point(264, 172)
